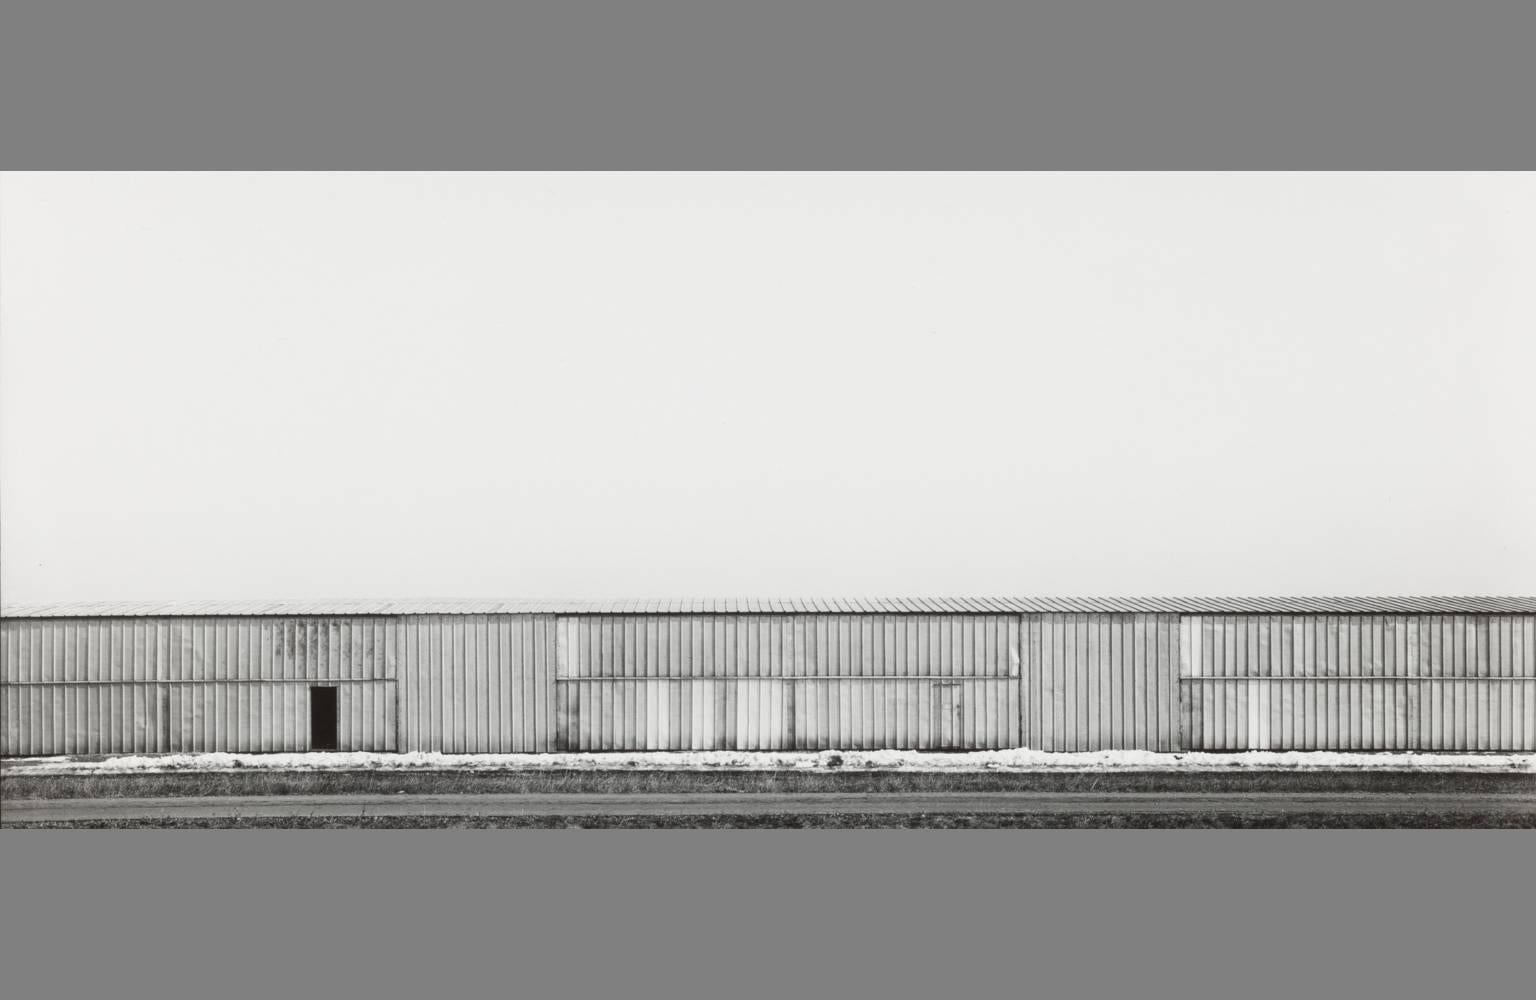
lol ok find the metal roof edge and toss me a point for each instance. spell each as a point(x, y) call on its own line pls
point(1294, 605)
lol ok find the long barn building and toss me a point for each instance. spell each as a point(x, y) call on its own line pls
point(1165, 674)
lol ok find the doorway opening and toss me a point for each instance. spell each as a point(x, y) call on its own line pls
point(322, 718)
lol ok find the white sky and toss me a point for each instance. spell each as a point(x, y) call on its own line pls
point(588, 385)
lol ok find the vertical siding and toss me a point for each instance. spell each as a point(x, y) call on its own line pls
point(535, 683)
point(476, 683)
point(1103, 682)
point(1359, 682)
point(46, 719)
point(144, 685)
point(789, 682)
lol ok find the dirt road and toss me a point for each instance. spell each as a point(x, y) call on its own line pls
point(644, 804)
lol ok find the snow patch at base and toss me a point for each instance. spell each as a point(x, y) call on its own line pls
point(764, 760)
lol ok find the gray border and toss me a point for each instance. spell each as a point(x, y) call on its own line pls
point(697, 84)
point(1398, 914)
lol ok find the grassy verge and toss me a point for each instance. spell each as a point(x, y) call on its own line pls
point(842, 821)
point(217, 783)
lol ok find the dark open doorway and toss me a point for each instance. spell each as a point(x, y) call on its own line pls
point(322, 718)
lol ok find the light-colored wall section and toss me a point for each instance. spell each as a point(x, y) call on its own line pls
point(169, 717)
point(456, 683)
point(147, 685)
point(1103, 682)
point(44, 718)
point(476, 683)
point(776, 713)
point(774, 682)
point(1360, 682)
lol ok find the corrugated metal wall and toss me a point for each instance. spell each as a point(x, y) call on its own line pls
point(1367, 682)
point(86, 685)
point(772, 682)
point(467, 683)
point(1103, 682)
point(477, 683)
point(536, 683)
point(85, 718)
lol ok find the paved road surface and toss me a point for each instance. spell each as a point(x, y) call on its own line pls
point(665, 804)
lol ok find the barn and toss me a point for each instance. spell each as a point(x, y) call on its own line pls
point(1159, 674)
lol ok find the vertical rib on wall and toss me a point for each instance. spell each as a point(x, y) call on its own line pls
point(1103, 682)
point(112, 685)
point(780, 682)
point(1360, 682)
point(477, 683)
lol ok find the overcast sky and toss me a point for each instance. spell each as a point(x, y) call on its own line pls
point(592, 385)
